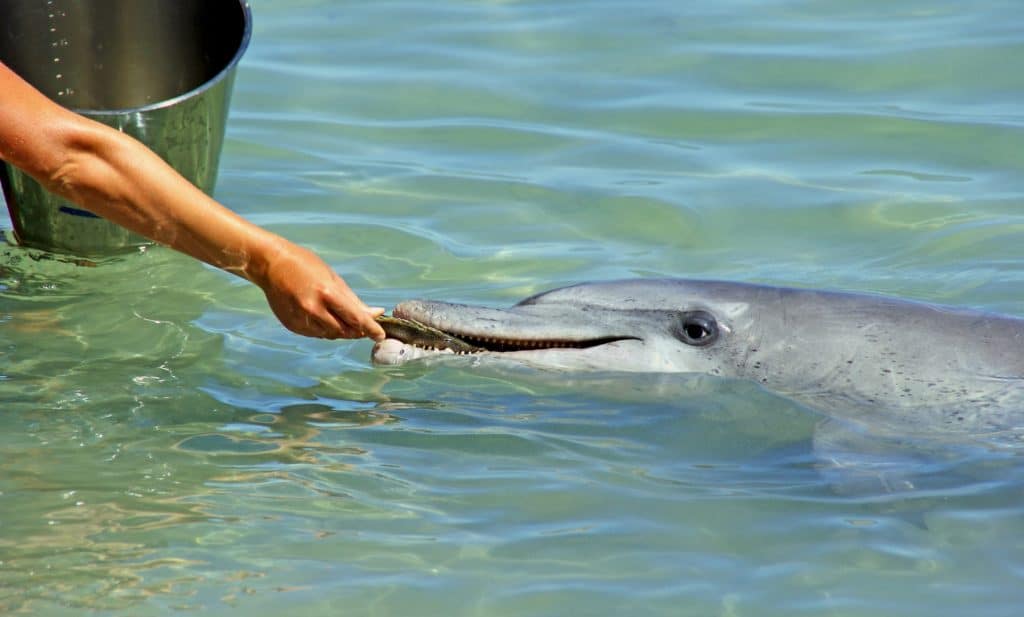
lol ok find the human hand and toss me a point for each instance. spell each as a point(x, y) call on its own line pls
point(309, 297)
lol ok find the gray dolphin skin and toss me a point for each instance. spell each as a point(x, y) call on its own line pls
point(870, 358)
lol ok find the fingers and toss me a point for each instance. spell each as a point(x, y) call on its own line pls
point(356, 320)
point(349, 316)
point(376, 332)
point(324, 324)
point(314, 316)
point(309, 298)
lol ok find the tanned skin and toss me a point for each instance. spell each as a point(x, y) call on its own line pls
point(118, 178)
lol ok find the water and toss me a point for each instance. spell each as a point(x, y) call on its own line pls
point(169, 448)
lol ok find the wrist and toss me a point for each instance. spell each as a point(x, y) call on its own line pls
point(262, 258)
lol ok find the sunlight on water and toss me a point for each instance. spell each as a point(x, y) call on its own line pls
point(168, 447)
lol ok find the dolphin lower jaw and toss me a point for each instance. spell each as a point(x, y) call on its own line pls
point(495, 344)
point(394, 350)
point(605, 356)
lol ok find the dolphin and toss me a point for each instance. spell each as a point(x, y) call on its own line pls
point(891, 364)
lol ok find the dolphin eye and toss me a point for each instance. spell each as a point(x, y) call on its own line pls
point(697, 328)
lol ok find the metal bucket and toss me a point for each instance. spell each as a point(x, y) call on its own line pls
point(159, 70)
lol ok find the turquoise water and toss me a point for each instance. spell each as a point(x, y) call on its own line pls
point(168, 448)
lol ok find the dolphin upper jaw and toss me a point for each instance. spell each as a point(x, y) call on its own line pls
point(542, 323)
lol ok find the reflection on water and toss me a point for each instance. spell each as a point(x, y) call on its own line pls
point(167, 446)
point(99, 506)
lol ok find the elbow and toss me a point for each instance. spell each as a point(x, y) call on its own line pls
point(64, 176)
point(106, 172)
point(78, 164)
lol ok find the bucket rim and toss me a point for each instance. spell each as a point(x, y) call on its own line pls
point(194, 92)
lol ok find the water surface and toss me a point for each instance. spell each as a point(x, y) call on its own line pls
point(169, 448)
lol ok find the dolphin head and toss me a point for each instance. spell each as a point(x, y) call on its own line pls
point(851, 354)
point(635, 325)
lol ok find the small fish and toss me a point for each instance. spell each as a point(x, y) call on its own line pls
point(417, 334)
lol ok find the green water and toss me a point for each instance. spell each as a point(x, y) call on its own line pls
point(168, 448)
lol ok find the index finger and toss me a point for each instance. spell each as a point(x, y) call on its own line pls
point(357, 319)
point(373, 329)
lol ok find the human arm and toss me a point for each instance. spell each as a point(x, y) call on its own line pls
point(117, 177)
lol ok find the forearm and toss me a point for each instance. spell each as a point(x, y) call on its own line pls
point(116, 177)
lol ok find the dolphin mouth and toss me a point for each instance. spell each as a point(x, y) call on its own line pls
point(424, 329)
point(410, 331)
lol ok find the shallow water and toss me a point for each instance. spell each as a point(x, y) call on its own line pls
point(168, 447)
